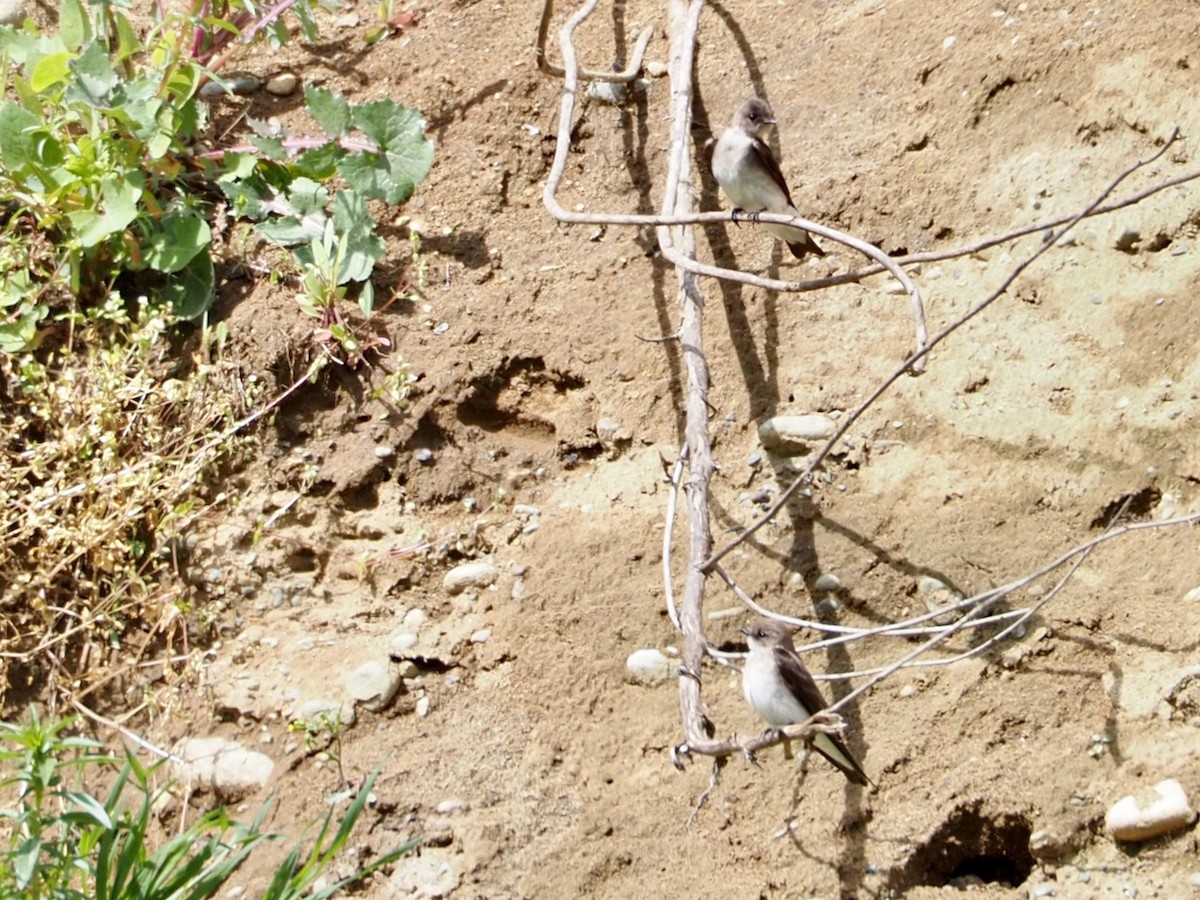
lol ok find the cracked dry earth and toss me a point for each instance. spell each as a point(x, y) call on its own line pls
point(537, 437)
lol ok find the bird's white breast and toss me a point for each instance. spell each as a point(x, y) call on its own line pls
point(767, 693)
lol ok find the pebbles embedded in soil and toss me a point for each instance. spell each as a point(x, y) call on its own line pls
point(472, 574)
point(780, 432)
point(227, 768)
point(1162, 809)
point(374, 684)
point(648, 666)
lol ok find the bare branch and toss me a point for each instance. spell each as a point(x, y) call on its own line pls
point(631, 71)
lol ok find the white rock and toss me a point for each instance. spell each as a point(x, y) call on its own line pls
point(432, 873)
point(648, 666)
point(1192, 596)
point(374, 684)
point(281, 85)
point(473, 574)
point(227, 768)
point(415, 618)
point(781, 431)
point(403, 642)
point(656, 69)
point(1160, 810)
point(423, 707)
point(450, 807)
point(481, 636)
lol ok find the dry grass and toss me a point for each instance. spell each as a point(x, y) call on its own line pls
point(109, 455)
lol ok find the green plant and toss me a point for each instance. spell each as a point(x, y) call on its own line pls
point(109, 190)
point(327, 725)
point(69, 845)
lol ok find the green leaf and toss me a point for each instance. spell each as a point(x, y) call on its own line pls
point(319, 164)
point(119, 195)
point(366, 299)
point(404, 157)
point(25, 861)
point(95, 76)
point(89, 807)
point(176, 242)
point(50, 70)
point(74, 26)
point(330, 110)
point(192, 290)
point(17, 140)
point(363, 247)
point(271, 148)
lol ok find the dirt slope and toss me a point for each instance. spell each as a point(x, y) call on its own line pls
point(915, 125)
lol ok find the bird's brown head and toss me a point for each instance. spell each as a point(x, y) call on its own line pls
point(768, 633)
point(754, 117)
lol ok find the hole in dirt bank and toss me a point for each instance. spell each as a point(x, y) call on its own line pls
point(970, 848)
point(519, 393)
point(1140, 505)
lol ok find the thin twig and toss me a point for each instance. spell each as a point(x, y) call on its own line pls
point(673, 478)
point(632, 71)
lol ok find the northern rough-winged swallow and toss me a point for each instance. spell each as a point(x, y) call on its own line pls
point(781, 690)
point(748, 173)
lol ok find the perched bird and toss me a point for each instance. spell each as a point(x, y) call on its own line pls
point(748, 173)
point(781, 690)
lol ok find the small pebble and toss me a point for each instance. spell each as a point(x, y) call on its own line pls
point(656, 69)
point(479, 574)
point(385, 452)
point(423, 455)
point(415, 618)
point(783, 431)
point(648, 666)
point(827, 583)
point(282, 84)
point(423, 707)
point(481, 636)
point(1162, 809)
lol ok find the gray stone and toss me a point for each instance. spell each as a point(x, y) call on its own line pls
point(648, 666)
point(374, 684)
point(826, 583)
point(473, 574)
point(1161, 810)
point(783, 432)
point(225, 767)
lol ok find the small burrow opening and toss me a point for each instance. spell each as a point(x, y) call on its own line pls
point(970, 848)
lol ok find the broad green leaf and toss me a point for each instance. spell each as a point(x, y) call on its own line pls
point(74, 26)
point(119, 197)
point(94, 75)
point(330, 110)
point(362, 247)
point(319, 164)
point(51, 70)
point(17, 140)
point(176, 242)
point(271, 148)
point(191, 290)
point(404, 157)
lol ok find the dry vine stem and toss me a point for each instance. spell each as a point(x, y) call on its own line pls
point(677, 241)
